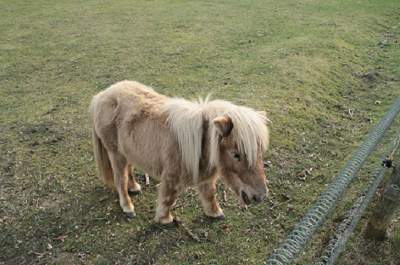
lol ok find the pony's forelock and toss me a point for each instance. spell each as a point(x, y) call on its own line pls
point(249, 132)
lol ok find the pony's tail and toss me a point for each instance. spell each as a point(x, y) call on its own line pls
point(101, 156)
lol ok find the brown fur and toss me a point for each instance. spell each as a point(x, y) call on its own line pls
point(135, 126)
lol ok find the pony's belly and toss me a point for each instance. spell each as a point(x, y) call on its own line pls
point(146, 163)
point(144, 146)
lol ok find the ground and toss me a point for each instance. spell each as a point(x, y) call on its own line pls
point(325, 71)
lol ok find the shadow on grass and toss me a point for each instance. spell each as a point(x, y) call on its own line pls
point(88, 227)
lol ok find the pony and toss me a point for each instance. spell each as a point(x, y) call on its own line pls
point(182, 143)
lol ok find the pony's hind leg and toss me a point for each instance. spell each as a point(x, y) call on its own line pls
point(209, 201)
point(167, 194)
point(121, 179)
point(133, 186)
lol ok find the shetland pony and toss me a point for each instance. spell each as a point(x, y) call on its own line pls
point(183, 143)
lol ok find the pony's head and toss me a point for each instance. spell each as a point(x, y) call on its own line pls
point(240, 138)
point(237, 137)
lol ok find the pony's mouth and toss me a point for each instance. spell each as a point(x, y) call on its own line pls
point(245, 198)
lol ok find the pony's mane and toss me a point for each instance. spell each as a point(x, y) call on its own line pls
point(185, 119)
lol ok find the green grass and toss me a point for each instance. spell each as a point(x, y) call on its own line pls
point(298, 60)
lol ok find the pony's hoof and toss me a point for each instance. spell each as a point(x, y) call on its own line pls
point(134, 192)
point(166, 221)
point(130, 215)
point(134, 187)
point(217, 217)
point(175, 223)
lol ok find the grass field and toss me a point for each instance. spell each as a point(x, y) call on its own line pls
point(325, 71)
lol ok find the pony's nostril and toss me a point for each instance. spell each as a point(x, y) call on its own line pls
point(258, 199)
point(245, 198)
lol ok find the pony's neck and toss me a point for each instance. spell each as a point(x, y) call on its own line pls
point(205, 170)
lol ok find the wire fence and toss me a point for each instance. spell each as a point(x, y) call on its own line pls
point(303, 231)
point(338, 242)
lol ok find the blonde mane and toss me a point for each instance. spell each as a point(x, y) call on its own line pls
point(185, 119)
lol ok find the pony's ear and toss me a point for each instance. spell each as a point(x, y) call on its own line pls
point(224, 125)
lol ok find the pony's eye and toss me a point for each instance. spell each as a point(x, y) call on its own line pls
point(236, 156)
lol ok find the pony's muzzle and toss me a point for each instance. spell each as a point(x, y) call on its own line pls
point(253, 197)
point(261, 195)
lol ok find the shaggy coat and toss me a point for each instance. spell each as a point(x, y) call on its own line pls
point(182, 143)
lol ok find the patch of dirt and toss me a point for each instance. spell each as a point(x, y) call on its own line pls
point(7, 163)
point(369, 77)
point(40, 128)
point(40, 134)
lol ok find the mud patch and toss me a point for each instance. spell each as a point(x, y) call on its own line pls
point(40, 134)
point(7, 163)
point(370, 77)
point(41, 128)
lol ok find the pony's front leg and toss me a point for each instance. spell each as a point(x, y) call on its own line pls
point(167, 194)
point(208, 199)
